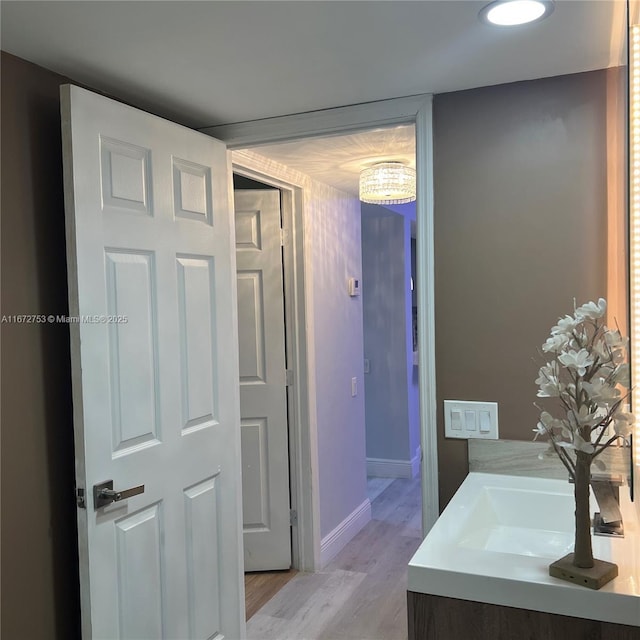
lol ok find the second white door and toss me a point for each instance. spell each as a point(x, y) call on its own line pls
point(263, 393)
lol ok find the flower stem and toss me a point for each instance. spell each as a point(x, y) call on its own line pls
point(583, 554)
point(564, 458)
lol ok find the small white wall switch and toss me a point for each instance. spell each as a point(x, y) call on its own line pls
point(354, 287)
point(354, 387)
point(485, 421)
point(470, 420)
point(466, 419)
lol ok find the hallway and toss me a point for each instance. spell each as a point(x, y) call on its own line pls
point(361, 593)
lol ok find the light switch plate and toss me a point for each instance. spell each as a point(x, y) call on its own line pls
point(468, 419)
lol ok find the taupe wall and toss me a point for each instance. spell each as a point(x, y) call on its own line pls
point(39, 556)
point(520, 230)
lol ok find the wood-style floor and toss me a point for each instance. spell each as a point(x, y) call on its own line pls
point(261, 586)
point(361, 594)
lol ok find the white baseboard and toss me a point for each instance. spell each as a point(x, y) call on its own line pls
point(384, 468)
point(337, 539)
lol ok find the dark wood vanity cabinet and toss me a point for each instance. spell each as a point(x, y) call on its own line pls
point(440, 618)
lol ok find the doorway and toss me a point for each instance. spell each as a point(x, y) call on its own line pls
point(263, 389)
point(326, 235)
point(240, 138)
point(263, 377)
point(416, 109)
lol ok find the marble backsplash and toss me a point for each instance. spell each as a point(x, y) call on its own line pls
point(520, 458)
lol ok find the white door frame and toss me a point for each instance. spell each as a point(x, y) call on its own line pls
point(343, 120)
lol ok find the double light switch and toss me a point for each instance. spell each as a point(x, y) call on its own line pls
point(470, 419)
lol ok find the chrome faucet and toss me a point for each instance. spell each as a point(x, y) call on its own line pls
point(607, 521)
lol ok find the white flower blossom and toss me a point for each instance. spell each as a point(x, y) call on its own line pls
point(588, 373)
point(592, 310)
point(548, 390)
point(588, 418)
point(548, 381)
point(578, 443)
point(581, 444)
point(577, 360)
point(601, 392)
point(556, 343)
point(540, 430)
point(565, 326)
point(548, 373)
point(582, 418)
point(551, 426)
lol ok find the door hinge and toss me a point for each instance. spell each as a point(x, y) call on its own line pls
point(293, 517)
point(80, 502)
point(284, 237)
point(289, 377)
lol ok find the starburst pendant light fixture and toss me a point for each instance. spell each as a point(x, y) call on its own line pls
point(388, 183)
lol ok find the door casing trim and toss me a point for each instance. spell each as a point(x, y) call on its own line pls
point(294, 185)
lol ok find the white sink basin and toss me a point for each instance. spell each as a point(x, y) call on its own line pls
point(530, 523)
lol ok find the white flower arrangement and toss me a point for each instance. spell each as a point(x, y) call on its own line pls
point(589, 376)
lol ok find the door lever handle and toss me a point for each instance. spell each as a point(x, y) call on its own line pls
point(103, 493)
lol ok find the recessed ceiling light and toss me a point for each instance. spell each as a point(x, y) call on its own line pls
point(509, 13)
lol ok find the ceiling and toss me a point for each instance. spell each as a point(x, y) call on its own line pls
point(207, 63)
point(212, 62)
point(338, 160)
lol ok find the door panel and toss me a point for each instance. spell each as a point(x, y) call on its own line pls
point(196, 311)
point(263, 399)
point(133, 353)
point(156, 400)
point(139, 562)
point(203, 562)
point(251, 328)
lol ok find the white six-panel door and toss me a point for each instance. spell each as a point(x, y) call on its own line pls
point(263, 396)
point(155, 373)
